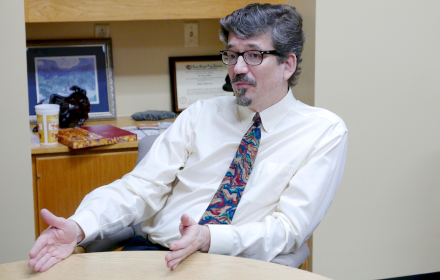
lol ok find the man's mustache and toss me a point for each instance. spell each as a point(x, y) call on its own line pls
point(243, 78)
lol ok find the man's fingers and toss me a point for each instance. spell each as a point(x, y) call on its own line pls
point(54, 244)
point(176, 254)
point(175, 257)
point(32, 263)
point(38, 246)
point(178, 259)
point(184, 220)
point(181, 229)
point(186, 245)
point(192, 222)
point(51, 219)
point(40, 254)
point(41, 262)
point(183, 242)
point(187, 220)
point(174, 263)
point(49, 264)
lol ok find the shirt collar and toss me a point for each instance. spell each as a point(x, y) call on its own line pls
point(271, 116)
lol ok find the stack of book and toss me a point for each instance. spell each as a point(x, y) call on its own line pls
point(92, 136)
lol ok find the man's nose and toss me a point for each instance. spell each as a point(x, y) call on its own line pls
point(241, 66)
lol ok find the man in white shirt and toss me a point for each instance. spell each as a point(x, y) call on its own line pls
point(296, 173)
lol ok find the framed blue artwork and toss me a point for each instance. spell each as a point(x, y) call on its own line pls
point(54, 67)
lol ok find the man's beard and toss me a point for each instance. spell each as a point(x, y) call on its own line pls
point(240, 98)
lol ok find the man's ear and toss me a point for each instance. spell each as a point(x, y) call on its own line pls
point(289, 66)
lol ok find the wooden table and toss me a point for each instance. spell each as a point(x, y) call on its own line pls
point(151, 265)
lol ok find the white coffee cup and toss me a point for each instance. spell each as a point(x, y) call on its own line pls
point(48, 123)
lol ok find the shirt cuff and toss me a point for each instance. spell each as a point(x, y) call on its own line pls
point(86, 220)
point(221, 239)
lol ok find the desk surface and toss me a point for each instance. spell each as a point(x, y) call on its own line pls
point(151, 265)
point(36, 148)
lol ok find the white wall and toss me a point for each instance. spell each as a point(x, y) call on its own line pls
point(16, 202)
point(378, 67)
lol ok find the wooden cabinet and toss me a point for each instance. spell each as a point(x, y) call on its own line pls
point(63, 176)
point(62, 181)
point(121, 10)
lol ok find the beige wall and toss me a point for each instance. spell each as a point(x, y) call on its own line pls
point(140, 56)
point(378, 66)
point(305, 89)
point(16, 204)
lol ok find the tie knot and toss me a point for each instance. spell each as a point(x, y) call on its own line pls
point(256, 118)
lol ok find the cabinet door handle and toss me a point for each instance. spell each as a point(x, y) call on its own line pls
point(38, 176)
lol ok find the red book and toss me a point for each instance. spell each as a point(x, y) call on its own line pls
point(92, 136)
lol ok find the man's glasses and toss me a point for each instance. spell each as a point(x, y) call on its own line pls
point(250, 57)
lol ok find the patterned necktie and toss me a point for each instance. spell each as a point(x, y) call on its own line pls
point(222, 208)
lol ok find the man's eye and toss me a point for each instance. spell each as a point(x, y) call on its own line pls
point(232, 56)
point(254, 55)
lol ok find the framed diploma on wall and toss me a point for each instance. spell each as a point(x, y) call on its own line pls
point(196, 77)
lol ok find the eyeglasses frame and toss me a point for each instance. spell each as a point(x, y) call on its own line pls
point(274, 52)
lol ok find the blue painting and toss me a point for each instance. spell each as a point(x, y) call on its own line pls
point(58, 74)
point(53, 67)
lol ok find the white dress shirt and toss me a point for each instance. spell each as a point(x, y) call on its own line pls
point(297, 171)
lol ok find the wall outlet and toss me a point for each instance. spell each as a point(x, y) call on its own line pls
point(102, 31)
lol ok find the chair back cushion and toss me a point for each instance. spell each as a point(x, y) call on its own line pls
point(144, 146)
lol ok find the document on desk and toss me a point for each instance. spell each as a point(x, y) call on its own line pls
point(141, 133)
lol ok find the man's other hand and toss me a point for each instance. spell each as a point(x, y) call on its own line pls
point(194, 238)
point(55, 243)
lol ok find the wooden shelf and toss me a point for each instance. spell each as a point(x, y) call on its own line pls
point(122, 10)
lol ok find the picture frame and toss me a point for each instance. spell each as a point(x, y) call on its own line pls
point(54, 66)
point(196, 77)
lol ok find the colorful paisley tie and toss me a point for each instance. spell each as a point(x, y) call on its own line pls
point(222, 208)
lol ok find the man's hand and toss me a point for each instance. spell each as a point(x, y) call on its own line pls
point(55, 243)
point(194, 238)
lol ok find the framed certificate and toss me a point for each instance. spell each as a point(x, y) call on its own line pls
point(194, 78)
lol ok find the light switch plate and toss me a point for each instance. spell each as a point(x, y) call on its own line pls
point(191, 34)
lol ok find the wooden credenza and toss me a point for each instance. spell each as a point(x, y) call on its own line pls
point(63, 176)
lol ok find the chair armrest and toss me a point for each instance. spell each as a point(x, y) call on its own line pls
point(78, 250)
point(293, 259)
point(111, 242)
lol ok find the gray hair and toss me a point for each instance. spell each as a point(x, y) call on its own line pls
point(282, 21)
